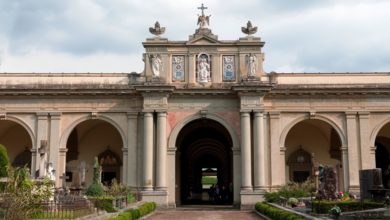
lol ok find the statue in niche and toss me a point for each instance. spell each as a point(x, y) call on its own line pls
point(203, 68)
point(252, 65)
point(156, 64)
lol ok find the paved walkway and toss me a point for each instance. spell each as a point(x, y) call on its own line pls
point(203, 213)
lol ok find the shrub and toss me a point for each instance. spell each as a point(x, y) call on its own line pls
point(275, 213)
point(323, 207)
point(105, 203)
point(131, 214)
point(4, 161)
point(293, 201)
point(95, 189)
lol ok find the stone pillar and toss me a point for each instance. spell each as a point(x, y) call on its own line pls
point(353, 152)
point(42, 135)
point(277, 166)
point(125, 166)
point(148, 152)
point(34, 162)
point(368, 155)
point(132, 139)
point(161, 151)
point(216, 69)
point(258, 151)
point(54, 144)
point(171, 177)
point(237, 175)
point(246, 163)
point(62, 167)
point(344, 154)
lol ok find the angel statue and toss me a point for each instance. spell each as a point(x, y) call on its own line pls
point(204, 21)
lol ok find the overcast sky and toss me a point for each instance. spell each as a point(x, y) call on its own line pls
point(107, 35)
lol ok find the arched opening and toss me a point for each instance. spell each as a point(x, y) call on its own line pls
point(204, 158)
point(90, 139)
point(18, 143)
point(382, 158)
point(311, 143)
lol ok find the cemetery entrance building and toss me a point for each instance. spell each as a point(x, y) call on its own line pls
point(203, 112)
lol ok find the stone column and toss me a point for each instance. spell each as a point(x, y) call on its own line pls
point(246, 163)
point(42, 135)
point(54, 144)
point(344, 154)
point(258, 151)
point(161, 151)
point(353, 152)
point(132, 139)
point(171, 177)
point(148, 152)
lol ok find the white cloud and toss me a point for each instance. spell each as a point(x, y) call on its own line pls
point(304, 36)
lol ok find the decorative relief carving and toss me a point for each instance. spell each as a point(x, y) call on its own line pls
point(155, 102)
point(251, 102)
point(203, 49)
point(228, 68)
point(157, 49)
point(178, 65)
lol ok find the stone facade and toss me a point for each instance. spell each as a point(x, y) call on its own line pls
point(139, 124)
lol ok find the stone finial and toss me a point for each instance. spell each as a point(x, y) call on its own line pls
point(157, 29)
point(249, 29)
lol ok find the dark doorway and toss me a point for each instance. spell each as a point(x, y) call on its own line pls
point(204, 154)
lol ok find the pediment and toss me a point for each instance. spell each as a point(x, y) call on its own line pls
point(203, 40)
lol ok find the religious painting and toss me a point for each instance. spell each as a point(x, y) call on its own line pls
point(228, 68)
point(178, 68)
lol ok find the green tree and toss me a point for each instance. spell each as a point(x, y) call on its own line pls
point(4, 161)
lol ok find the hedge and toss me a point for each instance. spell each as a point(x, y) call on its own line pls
point(276, 213)
point(131, 214)
point(105, 203)
point(323, 207)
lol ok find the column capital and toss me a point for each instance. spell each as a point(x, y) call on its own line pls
point(274, 115)
point(161, 113)
point(258, 113)
point(364, 115)
point(55, 115)
point(132, 115)
point(344, 149)
point(125, 149)
point(42, 115)
point(372, 149)
point(350, 114)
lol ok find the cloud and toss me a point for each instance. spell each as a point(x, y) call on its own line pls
point(305, 35)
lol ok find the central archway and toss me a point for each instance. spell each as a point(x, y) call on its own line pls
point(204, 158)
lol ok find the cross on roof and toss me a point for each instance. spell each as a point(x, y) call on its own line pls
point(202, 8)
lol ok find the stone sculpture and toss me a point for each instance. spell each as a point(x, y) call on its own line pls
point(157, 29)
point(249, 29)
